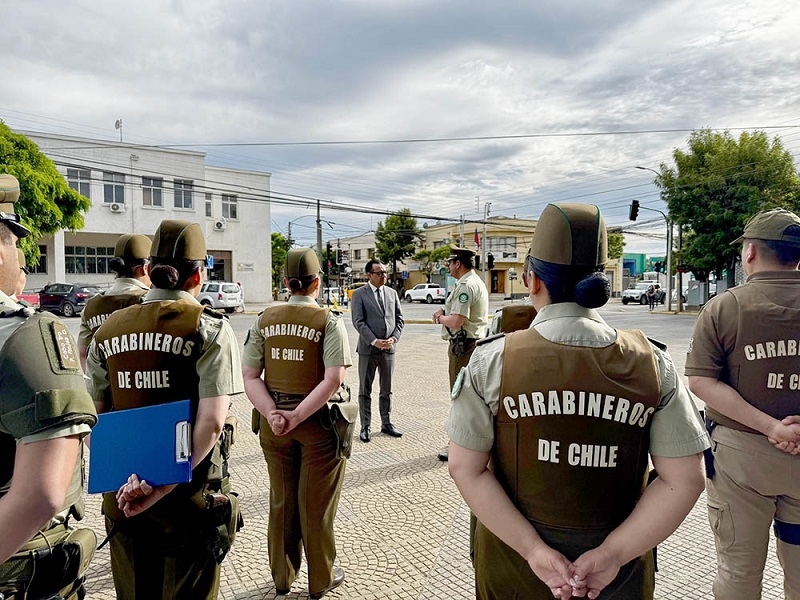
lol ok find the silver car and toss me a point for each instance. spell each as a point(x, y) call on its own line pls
point(222, 295)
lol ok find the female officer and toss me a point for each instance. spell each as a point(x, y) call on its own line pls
point(131, 254)
point(160, 537)
point(568, 410)
point(303, 351)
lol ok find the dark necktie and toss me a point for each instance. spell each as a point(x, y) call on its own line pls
point(380, 300)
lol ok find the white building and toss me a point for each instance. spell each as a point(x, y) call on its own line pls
point(133, 188)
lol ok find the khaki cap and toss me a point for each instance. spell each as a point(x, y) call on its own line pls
point(181, 240)
point(573, 235)
point(21, 259)
point(301, 262)
point(9, 194)
point(132, 247)
point(770, 225)
point(461, 254)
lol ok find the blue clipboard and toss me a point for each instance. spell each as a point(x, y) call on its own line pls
point(154, 442)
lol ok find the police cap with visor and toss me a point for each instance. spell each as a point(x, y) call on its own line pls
point(9, 194)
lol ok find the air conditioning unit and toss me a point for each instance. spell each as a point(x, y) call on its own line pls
point(116, 207)
point(220, 225)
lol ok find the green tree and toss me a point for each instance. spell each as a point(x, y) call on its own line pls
point(396, 239)
point(280, 247)
point(46, 204)
point(616, 243)
point(717, 185)
point(428, 258)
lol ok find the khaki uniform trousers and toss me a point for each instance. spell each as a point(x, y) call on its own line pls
point(502, 574)
point(754, 484)
point(305, 479)
point(146, 565)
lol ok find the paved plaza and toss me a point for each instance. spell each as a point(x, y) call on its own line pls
point(402, 527)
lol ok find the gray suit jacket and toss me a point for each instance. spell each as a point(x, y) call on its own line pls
point(370, 323)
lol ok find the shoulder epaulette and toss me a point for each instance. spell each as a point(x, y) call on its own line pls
point(207, 310)
point(657, 344)
point(491, 338)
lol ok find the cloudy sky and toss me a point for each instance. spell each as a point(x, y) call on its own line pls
point(529, 101)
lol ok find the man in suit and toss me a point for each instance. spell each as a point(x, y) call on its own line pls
point(379, 322)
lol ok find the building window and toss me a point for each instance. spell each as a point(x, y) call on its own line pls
point(370, 253)
point(80, 180)
point(501, 244)
point(114, 188)
point(230, 208)
point(183, 193)
point(209, 212)
point(152, 191)
point(90, 260)
point(357, 254)
point(41, 267)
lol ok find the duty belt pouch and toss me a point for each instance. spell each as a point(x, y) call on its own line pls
point(218, 473)
point(255, 421)
point(340, 416)
point(460, 343)
point(708, 453)
point(224, 519)
point(52, 565)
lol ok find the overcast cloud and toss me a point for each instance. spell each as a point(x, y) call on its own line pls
point(206, 71)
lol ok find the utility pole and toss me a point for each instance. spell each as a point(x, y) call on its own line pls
point(483, 240)
point(319, 235)
point(461, 233)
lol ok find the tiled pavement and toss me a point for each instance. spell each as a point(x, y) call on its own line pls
point(402, 528)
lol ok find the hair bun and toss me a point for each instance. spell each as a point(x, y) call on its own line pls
point(593, 291)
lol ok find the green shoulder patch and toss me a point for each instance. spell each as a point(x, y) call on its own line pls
point(459, 382)
point(64, 354)
point(463, 297)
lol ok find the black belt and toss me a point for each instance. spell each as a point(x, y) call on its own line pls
point(473, 340)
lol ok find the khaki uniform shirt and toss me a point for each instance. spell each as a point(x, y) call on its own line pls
point(470, 299)
point(335, 344)
point(676, 428)
point(219, 367)
point(121, 286)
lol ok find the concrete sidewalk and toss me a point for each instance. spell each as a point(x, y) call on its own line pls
point(402, 527)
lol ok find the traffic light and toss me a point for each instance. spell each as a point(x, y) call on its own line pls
point(490, 261)
point(634, 210)
point(339, 260)
point(329, 257)
point(658, 267)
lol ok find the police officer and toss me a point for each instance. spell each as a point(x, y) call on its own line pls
point(567, 411)
point(465, 317)
point(303, 351)
point(131, 257)
point(742, 363)
point(169, 347)
point(44, 413)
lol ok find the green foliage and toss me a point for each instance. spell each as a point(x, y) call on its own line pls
point(280, 247)
point(717, 185)
point(428, 258)
point(396, 239)
point(46, 204)
point(616, 243)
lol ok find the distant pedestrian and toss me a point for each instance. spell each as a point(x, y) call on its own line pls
point(378, 319)
point(742, 363)
point(651, 296)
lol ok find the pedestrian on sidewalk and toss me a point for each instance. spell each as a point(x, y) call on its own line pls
point(302, 350)
point(378, 319)
point(569, 411)
point(465, 317)
point(651, 296)
point(741, 361)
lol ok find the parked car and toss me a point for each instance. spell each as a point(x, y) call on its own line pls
point(638, 293)
point(69, 299)
point(684, 295)
point(284, 294)
point(426, 292)
point(329, 294)
point(222, 295)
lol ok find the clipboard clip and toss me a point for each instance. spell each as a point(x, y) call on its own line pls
point(183, 449)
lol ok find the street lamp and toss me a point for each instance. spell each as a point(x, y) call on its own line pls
point(669, 248)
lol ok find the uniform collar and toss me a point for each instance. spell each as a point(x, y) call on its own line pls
point(123, 283)
point(298, 299)
point(788, 276)
point(8, 301)
point(466, 275)
point(566, 309)
point(159, 295)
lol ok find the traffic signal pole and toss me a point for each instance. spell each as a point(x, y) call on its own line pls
point(634, 213)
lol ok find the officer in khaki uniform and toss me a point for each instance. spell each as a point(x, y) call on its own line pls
point(165, 541)
point(742, 363)
point(303, 351)
point(568, 411)
point(465, 317)
point(44, 413)
point(131, 256)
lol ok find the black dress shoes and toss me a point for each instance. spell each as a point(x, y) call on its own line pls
point(338, 579)
point(391, 430)
point(444, 455)
point(364, 436)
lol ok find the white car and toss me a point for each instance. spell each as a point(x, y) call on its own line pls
point(222, 295)
point(425, 292)
point(638, 293)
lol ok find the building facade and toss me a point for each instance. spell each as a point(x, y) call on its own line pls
point(133, 188)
